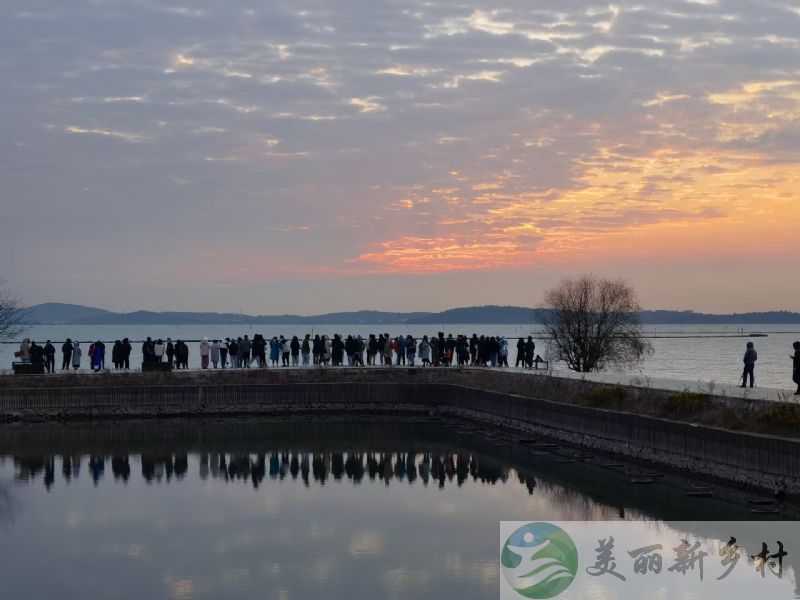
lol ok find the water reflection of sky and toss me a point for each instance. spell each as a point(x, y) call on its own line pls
point(334, 518)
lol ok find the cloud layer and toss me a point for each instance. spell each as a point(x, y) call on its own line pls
point(173, 147)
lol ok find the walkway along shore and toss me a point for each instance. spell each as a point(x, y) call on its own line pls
point(743, 440)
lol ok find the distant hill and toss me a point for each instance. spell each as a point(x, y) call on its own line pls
point(55, 312)
point(74, 314)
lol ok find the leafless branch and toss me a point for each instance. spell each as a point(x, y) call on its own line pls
point(11, 312)
point(594, 322)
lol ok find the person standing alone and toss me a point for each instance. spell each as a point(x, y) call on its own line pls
point(66, 353)
point(750, 358)
point(49, 357)
point(205, 350)
point(796, 367)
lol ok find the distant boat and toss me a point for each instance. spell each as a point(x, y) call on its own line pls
point(758, 335)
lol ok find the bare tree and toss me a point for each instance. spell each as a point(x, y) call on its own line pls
point(594, 322)
point(10, 313)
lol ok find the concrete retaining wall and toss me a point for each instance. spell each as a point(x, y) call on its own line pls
point(188, 400)
point(761, 461)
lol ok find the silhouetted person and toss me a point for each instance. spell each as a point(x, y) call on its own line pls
point(400, 348)
point(305, 350)
point(37, 357)
point(181, 355)
point(796, 367)
point(530, 349)
point(294, 346)
point(223, 352)
point(388, 350)
point(97, 356)
point(233, 351)
point(169, 350)
point(116, 351)
point(520, 352)
point(66, 353)
point(337, 350)
point(125, 354)
point(244, 352)
point(148, 353)
point(49, 357)
point(101, 347)
point(286, 351)
point(750, 358)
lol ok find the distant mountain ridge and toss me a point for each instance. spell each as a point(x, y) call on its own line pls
point(53, 313)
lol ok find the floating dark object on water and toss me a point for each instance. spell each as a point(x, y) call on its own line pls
point(584, 455)
point(758, 335)
point(764, 511)
point(643, 481)
point(760, 502)
point(545, 446)
point(613, 464)
point(699, 493)
point(652, 474)
point(565, 460)
point(702, 488)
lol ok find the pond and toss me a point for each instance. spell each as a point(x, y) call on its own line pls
point(250, 508)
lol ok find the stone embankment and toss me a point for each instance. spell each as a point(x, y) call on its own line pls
point(727, 438)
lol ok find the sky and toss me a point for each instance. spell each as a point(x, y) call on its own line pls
point(313, 156)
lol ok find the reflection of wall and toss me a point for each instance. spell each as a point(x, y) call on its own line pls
point(235, 449)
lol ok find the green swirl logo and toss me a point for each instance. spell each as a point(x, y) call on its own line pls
point(539, 560)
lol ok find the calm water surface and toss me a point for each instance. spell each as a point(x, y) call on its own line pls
point(258, 509)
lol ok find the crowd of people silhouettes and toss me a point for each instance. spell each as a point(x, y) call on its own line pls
point(352, 350)
point(322, 350)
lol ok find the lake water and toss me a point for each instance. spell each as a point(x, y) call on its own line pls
point(688, 353)
point(241, 509)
